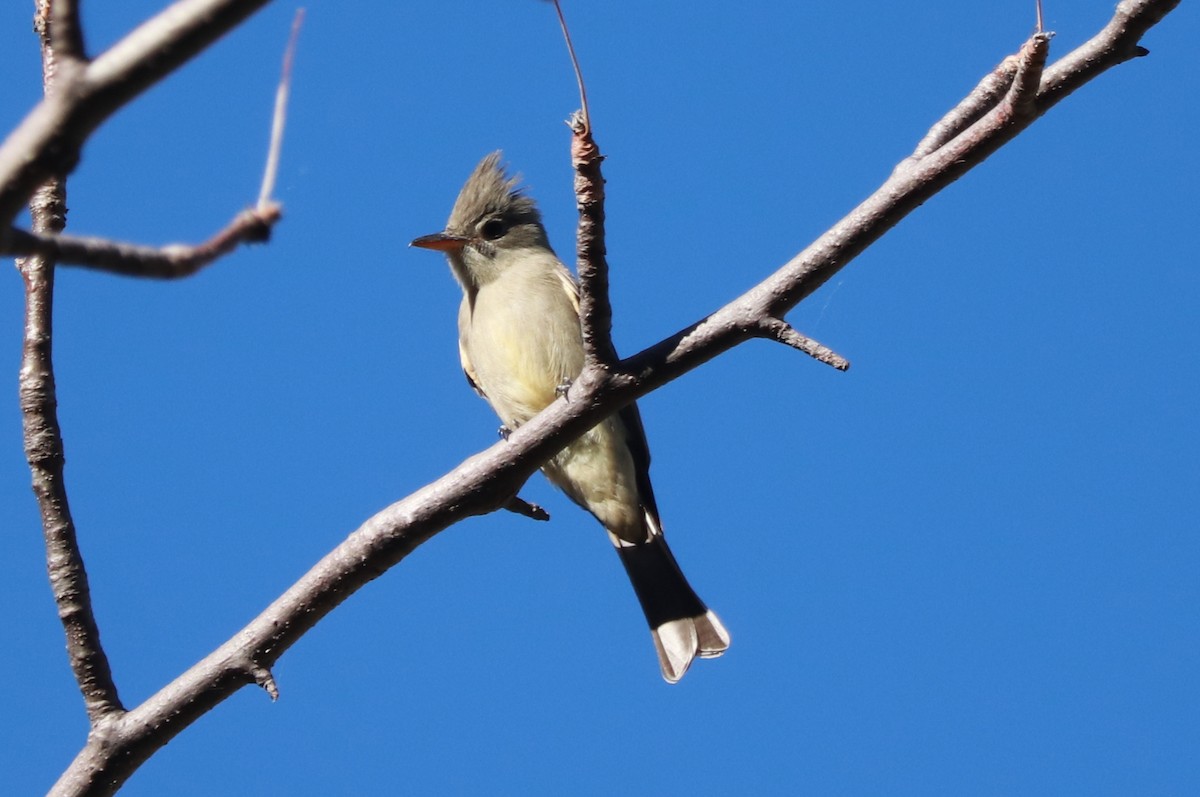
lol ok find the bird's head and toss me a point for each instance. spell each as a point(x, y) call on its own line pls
point(493, 224)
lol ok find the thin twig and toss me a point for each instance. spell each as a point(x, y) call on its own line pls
point(583, 103)
point(279, 120)
point(595, 308)
point(44, 445)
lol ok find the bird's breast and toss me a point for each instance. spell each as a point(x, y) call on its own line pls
point(522, 338)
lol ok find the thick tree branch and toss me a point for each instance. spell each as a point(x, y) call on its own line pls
point(486, 481)
point(43, 438)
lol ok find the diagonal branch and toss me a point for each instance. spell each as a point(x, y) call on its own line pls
point(485, 482)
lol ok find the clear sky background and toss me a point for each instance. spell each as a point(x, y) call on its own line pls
point(968, 566)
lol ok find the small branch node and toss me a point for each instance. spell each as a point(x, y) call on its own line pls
point(781, 331)
point(520, 506)
point(263, 677)
point(1031, 60)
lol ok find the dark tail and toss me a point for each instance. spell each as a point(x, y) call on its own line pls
point(682, 626)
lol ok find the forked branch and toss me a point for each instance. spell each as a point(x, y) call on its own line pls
point(485, 482)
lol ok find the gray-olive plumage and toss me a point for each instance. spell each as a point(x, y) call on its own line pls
point(519, 340)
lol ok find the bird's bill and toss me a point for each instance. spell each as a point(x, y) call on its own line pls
point(441, 241)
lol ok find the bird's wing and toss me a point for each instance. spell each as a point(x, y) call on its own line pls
point(569, 285)
point(631, 419)
point(468, 369)
point(639, 450)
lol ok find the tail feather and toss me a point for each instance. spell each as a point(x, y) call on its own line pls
point(678, 642)
point(681, 625)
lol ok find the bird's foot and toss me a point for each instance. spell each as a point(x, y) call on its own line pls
point(563, 389)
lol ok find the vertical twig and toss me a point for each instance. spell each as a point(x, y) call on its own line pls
point(595, 310)
point(43, 438)
point(583, 103)
point(66, 31)
point(279, 120)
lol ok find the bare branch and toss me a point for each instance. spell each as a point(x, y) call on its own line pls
point(783, 332)
point(168, 262)
point(280, 118)
point(595, 308)
point(981, 100)
point(583, 103)
point(44, 445)
point(48, 141)
point(592, 265)
point(66, 32)
point(487, 481)
point(1031, 60)
point(1114, 45)
point(522, 507)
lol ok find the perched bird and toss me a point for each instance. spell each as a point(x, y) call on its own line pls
point(520, 342)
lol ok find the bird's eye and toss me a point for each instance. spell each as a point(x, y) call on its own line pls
point(492, 229)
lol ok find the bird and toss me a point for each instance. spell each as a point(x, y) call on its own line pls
point(521, 345)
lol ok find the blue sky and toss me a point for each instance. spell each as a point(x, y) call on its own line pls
point(967, 566)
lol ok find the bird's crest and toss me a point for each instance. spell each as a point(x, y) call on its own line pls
point(490, 191)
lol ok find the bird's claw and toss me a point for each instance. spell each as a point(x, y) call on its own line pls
point(504, 432)
point(563, 389)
